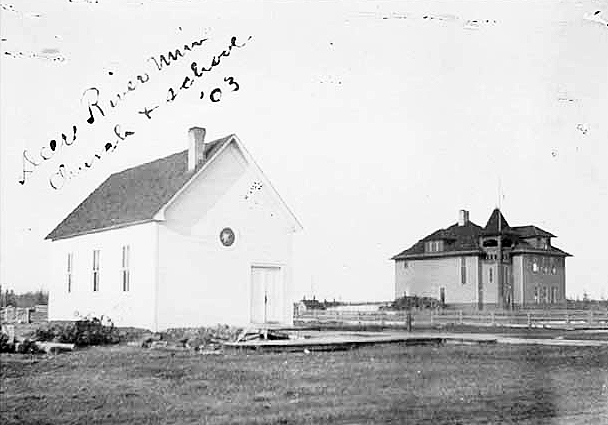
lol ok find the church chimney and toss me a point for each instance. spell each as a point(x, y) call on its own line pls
point(196, 147)
point(463, 217)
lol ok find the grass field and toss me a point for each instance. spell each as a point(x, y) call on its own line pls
point(383, 384)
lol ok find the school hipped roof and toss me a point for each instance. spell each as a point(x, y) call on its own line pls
point(466, 239)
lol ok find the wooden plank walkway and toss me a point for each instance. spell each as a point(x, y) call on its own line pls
point(338, 340)
point(333, 341)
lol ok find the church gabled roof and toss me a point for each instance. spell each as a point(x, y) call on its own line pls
point(133, 195)
point(140, 194)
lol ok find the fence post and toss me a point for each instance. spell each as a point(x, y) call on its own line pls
point(590, 320)
point(529, 320)
point(408, 321)
point(567, 318)
point(431, 311)
point(460, 317)
point(493, 320)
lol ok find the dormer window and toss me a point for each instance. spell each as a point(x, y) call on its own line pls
point(434, 246)
point(490, 243)
point(535, 265)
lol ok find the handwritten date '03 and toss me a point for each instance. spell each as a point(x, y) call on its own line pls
point(216, 94)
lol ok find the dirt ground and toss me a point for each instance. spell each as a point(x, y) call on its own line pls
point(382, 384)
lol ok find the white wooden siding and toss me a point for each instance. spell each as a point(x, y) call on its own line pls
point(132, 308)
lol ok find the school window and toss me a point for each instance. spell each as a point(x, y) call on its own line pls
point(125, 268)
point(536, 295)
point(553, 295)
point(553, 267)
point(70, 265)
point(95, 270)
point(463, 270)
point(545, 295)
point(491, 275)
point(405, 265)
point(535, 265)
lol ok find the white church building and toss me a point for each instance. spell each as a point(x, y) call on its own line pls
point(197, 238)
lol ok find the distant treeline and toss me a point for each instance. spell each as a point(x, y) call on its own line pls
point(413, 301)
point(28, 299)
point(314, 304)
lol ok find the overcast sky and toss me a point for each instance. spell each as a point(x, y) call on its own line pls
point(376, 121)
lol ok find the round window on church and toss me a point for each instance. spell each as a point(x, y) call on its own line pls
point(227, 236)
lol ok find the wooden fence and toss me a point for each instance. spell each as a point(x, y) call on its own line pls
point(523, 318)
point(36, 314)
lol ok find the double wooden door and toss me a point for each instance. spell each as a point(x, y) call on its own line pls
point(267, 294)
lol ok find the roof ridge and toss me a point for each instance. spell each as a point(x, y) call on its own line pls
point(212, 142)
point(164, 158)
